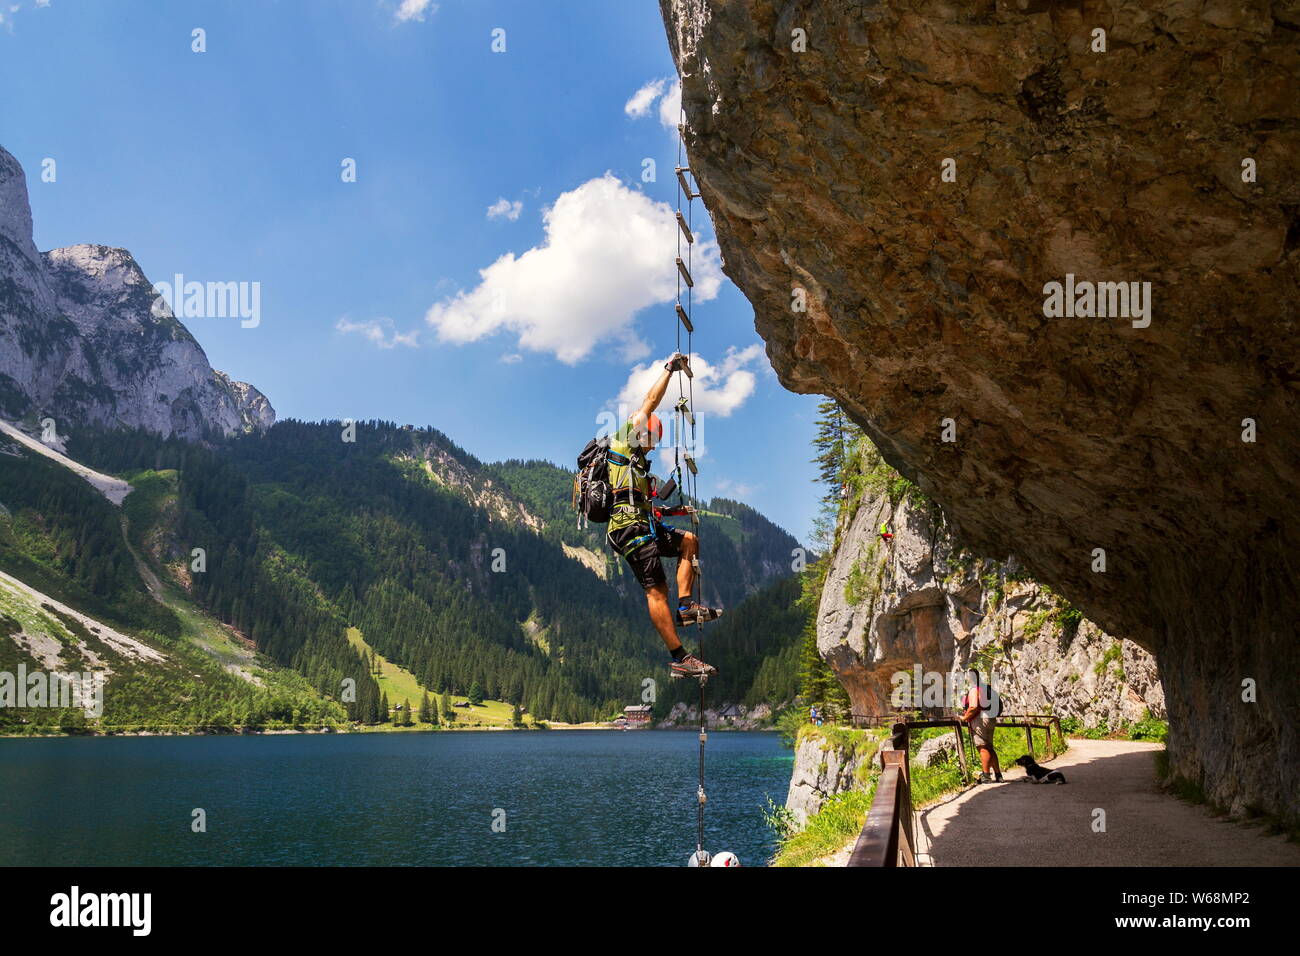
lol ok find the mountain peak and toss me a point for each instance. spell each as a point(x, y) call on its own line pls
point(82, 340)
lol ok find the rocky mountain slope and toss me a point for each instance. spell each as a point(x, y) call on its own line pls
point(916, 599)
point(1160, 151)
point(84, 341)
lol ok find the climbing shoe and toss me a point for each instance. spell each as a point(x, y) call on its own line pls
point(984, 778)
point(691, 666)
point(696, 614)
point(997, 777)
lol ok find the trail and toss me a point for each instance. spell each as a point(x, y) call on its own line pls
point(1019, 824)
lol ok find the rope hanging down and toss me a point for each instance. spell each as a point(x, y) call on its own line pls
point(688, 480)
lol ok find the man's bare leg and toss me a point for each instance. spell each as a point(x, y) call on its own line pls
point(686, 568)
point(661, 616)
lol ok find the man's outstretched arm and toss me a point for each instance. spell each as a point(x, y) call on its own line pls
point(659, 389)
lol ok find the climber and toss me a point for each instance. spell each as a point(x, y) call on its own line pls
point(636, 533)
point(884, 532)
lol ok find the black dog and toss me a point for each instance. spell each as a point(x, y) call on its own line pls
point(1037, 774)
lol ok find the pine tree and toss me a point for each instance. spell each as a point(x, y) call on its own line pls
point(829, 443)
point(426, 710)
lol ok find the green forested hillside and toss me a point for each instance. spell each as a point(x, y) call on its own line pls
point(405, 536)
point(176, 670)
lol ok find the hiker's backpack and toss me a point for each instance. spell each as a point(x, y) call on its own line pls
point(592, 495)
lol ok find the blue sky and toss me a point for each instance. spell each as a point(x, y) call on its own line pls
point(399, 296)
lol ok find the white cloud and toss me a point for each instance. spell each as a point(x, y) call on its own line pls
point(505, 209)
point(608, 253)
point(381, 332)
point(415, 10)
point(670, 107)
point(734, 489)
point(717, 389)
point(643, 99)
point(512, 358)
point(670, 103)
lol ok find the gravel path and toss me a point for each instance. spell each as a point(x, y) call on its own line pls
point(1016, 823)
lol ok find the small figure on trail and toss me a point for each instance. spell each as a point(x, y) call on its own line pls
point(979, 712)
point(884, 531)
point(636, 533)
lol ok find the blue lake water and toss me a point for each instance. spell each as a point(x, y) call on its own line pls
point(594, 798)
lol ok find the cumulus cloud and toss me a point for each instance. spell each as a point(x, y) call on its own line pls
point(734, 489)
point(505, 209)
point(641, 101)
point(670, 107)
point(719, 389)
point(607, 254)
point(670, 102)
point(381, 332)
point(414, 10)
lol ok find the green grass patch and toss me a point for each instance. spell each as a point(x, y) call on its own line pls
point(402, 687)
point(838, 822)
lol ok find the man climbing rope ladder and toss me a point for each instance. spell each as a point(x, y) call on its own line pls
point(636, 533)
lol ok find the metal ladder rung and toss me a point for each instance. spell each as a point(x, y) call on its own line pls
point(690, 463)
point(681, 267)
point(686, 230)
point(686, 319)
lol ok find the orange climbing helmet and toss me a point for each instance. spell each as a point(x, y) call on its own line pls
point(655, 425)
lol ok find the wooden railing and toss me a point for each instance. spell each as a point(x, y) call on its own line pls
point(888, 838)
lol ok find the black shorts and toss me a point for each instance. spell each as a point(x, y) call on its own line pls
point(644, 559)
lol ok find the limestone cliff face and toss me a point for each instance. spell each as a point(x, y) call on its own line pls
point(822, 171)
point(82, 342)
point(825, 765)
point(888, 606)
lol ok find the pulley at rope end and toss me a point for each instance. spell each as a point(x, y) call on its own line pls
point(701, 796)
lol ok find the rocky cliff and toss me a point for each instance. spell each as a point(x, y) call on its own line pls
point(84, 340)
point(916, 600)
point(828, 761)
point(894, 184)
